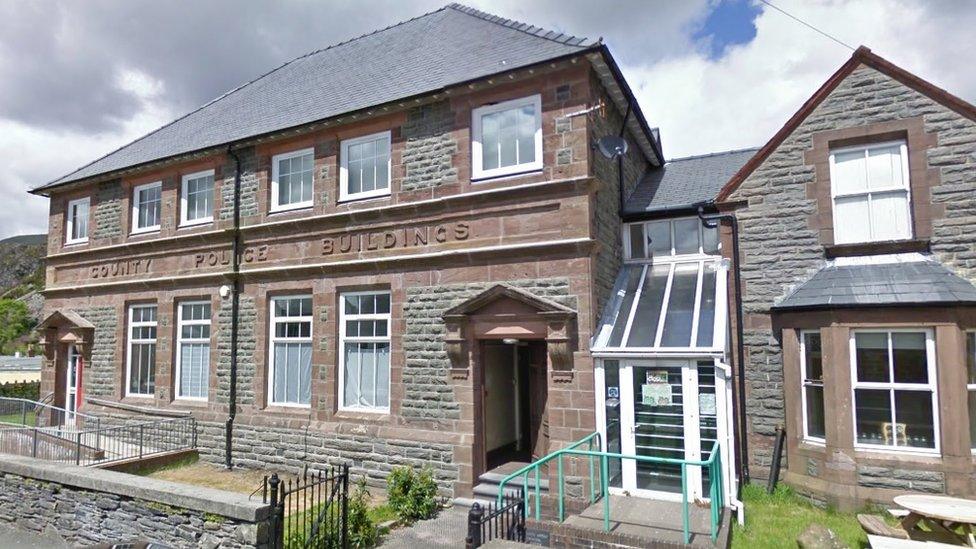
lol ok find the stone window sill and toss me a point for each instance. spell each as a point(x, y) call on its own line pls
point(920, 245)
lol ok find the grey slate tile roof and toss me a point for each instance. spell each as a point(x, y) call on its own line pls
point(449, 46)
point(685, 181)
point(907, 283)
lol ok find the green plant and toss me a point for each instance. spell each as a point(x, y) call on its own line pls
point(412, 495)
point(14, 322)
point(362, 531)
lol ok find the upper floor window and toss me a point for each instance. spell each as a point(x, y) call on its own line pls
point(197, 198)
point(193, 350)
point(291, 350)
point(146, 204)
point(365, 167)
point(812, 386)
point(894, 384)
point(291, 180)
point(364, 341)
point(507, 138)
point(76, 228)
point(670, 237)
point(870, 191)
point(141, 365)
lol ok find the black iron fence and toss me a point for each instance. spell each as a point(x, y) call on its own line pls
point(506, 521)
point(310, 511)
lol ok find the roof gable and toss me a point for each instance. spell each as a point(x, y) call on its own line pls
point(450, 46)
point(862, 56)
point(531, 301)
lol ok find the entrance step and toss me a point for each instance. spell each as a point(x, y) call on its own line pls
point(487, 487)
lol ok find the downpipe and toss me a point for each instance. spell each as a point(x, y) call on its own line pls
point(733, 497)
point(235, 307)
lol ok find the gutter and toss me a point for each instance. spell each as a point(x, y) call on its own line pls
point(235, 307)
point(712, 221)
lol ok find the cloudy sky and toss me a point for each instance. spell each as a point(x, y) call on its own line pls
point(78, 79)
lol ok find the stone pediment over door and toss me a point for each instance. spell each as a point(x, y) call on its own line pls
point(506, 312)
point(65, 326)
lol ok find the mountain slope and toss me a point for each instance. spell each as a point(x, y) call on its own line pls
point(22, 269)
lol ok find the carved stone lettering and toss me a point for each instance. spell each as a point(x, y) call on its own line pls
point(396, 238)
point(129, 267)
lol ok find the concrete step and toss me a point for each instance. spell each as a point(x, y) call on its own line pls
point(468, 502)
point(492, 477)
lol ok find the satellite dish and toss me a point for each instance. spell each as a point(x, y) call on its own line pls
point(612, 146)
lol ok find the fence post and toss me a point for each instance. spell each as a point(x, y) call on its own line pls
point(141, 431)
point(345, 505)
point(475, 515)
point(23, 413)
point(34, 453)
point(78, 450)
point(277, 530)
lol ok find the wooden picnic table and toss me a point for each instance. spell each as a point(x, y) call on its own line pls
point(946, 516)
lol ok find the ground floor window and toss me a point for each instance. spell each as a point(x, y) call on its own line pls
point(193, 350)
point(364, 338)
point(141, 366)
point(894, 389)
point(971, 385)
point(811, 374)
point(291, 350)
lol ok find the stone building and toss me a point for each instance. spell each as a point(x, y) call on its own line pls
point(857, 262)
point(417, 245)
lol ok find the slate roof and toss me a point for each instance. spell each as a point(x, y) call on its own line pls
point(684, 182)
point(452, 45)
point(902, 283)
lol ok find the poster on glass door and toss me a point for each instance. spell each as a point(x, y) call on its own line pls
point(656, 391)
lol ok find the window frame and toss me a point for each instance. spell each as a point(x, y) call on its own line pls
point(69, 223)
point(891, 386)
point(135, 208)
point(806, 382)
point(344, 194)
point(272, 339)
point(130, 341)
point(906, 187)
point(184, 203)
point(275, 198)
point(970, 349)
point(180, 340)
point(341, 350)
point(700, 254)
point(477, 172)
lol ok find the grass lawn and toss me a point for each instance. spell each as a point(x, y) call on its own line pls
point(18, 418)
point(776, 520)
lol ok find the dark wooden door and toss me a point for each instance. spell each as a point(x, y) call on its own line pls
point(538, 393)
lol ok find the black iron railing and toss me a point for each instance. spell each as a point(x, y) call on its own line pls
point(505, 521)
point(309, 511)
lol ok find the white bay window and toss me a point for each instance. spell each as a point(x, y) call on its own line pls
point(364, 343)
point(812, 386)
point(870, 192)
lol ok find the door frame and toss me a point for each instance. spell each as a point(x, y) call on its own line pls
point(690, 410)
point(71, 391)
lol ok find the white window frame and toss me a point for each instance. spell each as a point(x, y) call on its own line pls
point(272, 339)
point(180, 340)
point(672, 256)
point(970, 387)
point(343, 339)
point(906, 186)
point(69, 224)
point(804, 384)
point(477, 172)
point(344, 194)
point(275, 206)
point(891, 386)
point(132, 341)
point(184, 221)
point(136, 229)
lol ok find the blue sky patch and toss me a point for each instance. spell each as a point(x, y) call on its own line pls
point(729, 22)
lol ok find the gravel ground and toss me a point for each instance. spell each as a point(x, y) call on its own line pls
point(445, 530)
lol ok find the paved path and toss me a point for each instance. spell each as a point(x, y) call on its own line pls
point(446, 530)
point(12, 537)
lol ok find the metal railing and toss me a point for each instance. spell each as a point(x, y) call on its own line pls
point(492, 522)
point(310, 511)
point(31, 413)
point(101, 445)
point(713, 465)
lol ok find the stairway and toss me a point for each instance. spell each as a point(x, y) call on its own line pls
point(486, 491)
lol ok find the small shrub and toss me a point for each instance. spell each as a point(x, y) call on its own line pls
point(413, 495)
point(362, 528)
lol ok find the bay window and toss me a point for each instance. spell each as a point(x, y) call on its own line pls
point(141, 356)
point(197, 198)
point(291, 351)
point(894, 385)
point(364, 343)
point(146, 205)
point(507, 138)
point(193, 350)
point(291, 180)
point(76, 226)
point(365, 167)
point(812, 386)
point(870, 192)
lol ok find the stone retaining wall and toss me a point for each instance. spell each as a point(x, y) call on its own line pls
point(89, 506)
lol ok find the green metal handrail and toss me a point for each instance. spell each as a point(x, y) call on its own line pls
point(713, 464)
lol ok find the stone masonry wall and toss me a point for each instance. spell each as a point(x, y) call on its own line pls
point(246, 345)
point(101, 372)
point(780, 250)
point(108, 210)
point(84, 516)
point(427, 393)
point(249, 185)
point(429, 147)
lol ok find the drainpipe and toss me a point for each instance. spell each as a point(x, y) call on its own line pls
point(712, 221)
point(235, 307)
